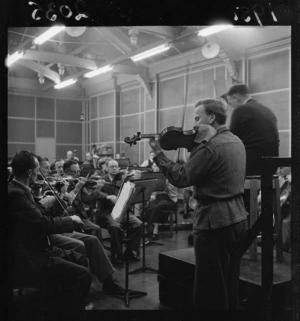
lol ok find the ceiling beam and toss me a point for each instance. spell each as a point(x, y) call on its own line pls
point(60, 58)
point(46, 72)
point(116, 38)
point(163, 31)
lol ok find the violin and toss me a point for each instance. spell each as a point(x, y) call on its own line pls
point(171, 138)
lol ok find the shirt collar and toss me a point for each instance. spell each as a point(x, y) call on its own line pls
point(27, 188)
point(222, 128)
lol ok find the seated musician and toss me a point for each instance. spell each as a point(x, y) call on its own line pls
point(34, 256)
point(90, 245)
point(115, 228)
point(161, 206)
point(59, 168)
point(150, 163)
point(87, 166)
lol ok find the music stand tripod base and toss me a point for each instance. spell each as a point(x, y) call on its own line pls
point(128, 293)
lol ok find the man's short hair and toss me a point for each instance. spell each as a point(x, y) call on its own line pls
point(214, 106)
point(42, 159)
point(22, 162)
point(68, 163)
point(241, 89)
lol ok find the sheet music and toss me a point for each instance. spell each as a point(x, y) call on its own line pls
point(121, 204)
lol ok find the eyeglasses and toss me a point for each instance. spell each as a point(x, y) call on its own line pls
point(73, 171)
point(113, 166)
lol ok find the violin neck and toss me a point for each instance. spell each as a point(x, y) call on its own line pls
point(144, 136)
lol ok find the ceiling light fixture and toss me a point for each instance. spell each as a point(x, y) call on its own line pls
point(65, 83)
point(14, 57)
point(213, 29)
point(51, 32)
point(98, 71)
point(151, 52)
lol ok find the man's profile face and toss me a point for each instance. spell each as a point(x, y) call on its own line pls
point(201, 117)
point(74, 170)
point(234, 100)
point(45, 168)
point(34, 172)
point(59, 167)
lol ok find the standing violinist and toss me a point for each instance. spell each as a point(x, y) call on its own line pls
point(216, 169)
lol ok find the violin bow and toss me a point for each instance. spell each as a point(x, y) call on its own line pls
point(185, 102)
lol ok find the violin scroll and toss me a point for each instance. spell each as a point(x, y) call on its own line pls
point(133, 140)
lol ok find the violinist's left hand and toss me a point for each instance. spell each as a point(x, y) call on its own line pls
point(155, 144)
point(100, 184)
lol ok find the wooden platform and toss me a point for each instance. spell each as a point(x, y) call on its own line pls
point(176, 277)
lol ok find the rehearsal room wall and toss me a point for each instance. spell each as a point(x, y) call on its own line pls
point(45, 125)
point(127, 110)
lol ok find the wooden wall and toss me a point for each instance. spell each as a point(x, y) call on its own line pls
point(268, 77)
point(33, 120)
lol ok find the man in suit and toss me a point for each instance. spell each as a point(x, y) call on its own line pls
point(90, 245)
point(256, 126)
point(115, 227)
point(33, 253)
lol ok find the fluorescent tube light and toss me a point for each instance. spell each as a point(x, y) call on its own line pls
point(98, 71)
point(65, 83)
point(51, 32)
point(213, 29)
point(14, 57)
point(151, 52)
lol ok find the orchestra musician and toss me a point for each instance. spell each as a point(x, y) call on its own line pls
point(216, 169)
point(34, 257)
point(115, 228)
point(89, 245)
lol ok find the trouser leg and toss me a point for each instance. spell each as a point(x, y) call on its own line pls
point(66, 242)
point(91, 228)
point(100, 264)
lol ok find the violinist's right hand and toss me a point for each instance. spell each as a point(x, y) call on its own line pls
point(76, 219)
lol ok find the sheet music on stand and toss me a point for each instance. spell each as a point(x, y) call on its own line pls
point(122, 201)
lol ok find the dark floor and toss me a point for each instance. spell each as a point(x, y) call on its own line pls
point(144, 281)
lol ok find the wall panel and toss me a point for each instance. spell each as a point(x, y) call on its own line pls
point(129, 126)
point(269, 72)
point(106, 130)
point(13, 148)
point(45, 108)
point(130, 101)
point(45, 128)
point(20, 130)
point(68, 132)
point(20, 106)
point(284, 147)
point(94, 107)
point(68, 109)
point(171, 92)
point(106, 105)
point(94, 131)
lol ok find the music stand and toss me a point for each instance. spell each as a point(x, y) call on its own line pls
point(144, 189)
point(141, 185)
